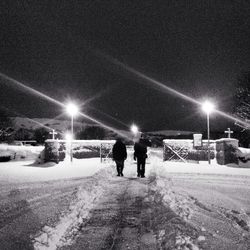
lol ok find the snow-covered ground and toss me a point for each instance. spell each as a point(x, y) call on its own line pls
point(40, 197)
point(20, 152)
point(211, 203)
point(28, 171)
point(214, 199)
point(204, 168)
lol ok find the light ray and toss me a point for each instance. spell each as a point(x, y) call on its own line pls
point(165, 88)
point(110, 117)
point(32, 120)
point(39, 123)
point(50, 120)
point(30, 90)
point(92, 98)
point(50, 99)
point(233, 118)
point(120, 133)
point(47, 122)
point(147, 78)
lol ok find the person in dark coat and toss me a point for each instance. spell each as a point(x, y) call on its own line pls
point(119, 152)
point(140, 154)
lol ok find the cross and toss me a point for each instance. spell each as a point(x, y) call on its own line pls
point(53, 134)
point(229, 132)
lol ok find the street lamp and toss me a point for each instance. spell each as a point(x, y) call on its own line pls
point(134, 129)
point(68, 137)
point(72, 110)
point(208, 107)
point(136, 133)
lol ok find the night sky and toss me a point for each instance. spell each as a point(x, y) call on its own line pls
point(196, 47)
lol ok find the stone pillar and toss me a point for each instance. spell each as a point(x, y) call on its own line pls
point(54, 151)
point(226, 151)
point(51, 151)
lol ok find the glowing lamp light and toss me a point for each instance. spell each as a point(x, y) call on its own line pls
point(72, 109)
point(68, 137)
point(208, 107)
point(134, 129)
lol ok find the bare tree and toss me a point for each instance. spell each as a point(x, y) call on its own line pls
point(6, 127)
point(242, 98)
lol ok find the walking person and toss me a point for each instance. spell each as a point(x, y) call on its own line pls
point(119, 153)
point(140, 154)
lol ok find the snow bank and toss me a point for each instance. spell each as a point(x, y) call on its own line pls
point(6, 153)
point(204, 168)
point(69, 225)
point(244, 157)
point(245, 151)
point(162, 185)
point(218, 200)
point(178, 202)
point(27, 171)
point(21, 152)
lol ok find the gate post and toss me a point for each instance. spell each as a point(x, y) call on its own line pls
point(226, 150)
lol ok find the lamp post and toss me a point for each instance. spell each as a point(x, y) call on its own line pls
point(208, 107)
point(72, 110)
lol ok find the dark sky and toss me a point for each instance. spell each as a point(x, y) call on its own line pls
point(196, 47)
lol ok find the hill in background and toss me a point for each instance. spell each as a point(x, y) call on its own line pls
point(35, 123)
point(64, 125)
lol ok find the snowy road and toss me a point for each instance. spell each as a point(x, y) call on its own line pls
point(220, 212)
point(173, 211)
point(25, 210)
point(178, 206)
point(122, 219)
point(132, 216)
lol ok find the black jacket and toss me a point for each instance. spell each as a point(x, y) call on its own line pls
point(119, 151)
point(140, 149)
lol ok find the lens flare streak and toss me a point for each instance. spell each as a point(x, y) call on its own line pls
point(110, 117)
point(147, 78)
point(50, 99)
point(136, 73)
point(30, 90)
point(164, 87)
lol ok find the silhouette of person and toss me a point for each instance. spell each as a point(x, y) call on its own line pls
point(119, 153)
point(140, 154)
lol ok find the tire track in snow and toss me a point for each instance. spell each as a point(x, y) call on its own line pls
point(131, 215)
point(219, 227)
point(171, 225)
point(67, 228)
